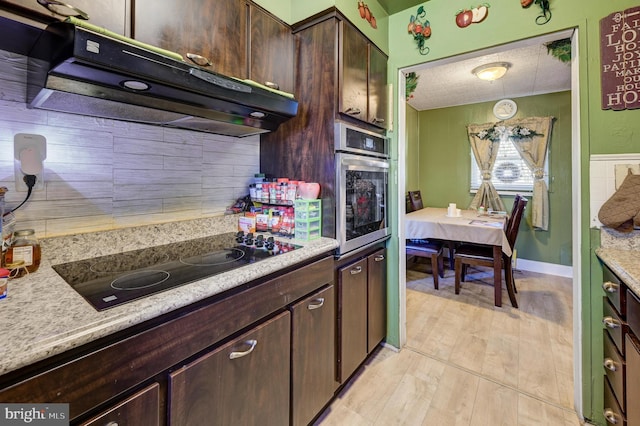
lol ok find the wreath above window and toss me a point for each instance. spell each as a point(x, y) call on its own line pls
point(498, 132)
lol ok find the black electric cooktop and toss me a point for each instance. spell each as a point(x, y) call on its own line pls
point(112, 280)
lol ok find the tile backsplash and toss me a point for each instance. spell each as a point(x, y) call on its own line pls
point(606, 174)
point(105, 174)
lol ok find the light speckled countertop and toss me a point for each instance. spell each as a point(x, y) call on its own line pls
point(43, 316)
point(621, 252)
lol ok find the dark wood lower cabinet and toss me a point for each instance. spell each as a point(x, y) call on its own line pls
point(244, 382)
point(362, 308)
point(633, 380)
point(178, 368)
point(376, 298)
point(140, 409)
point(352, 317)
point(313, 357)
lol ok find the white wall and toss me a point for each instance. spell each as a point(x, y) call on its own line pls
point(103, 174)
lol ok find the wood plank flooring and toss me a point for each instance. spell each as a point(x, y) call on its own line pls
point(467, 362)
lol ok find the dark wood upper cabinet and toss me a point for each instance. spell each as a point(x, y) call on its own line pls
point(378, 94)
point(216, 30)
point(270, 50)
point(113, 15)
point(353, 73)
point(363, 78)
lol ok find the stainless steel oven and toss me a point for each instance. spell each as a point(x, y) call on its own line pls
point(362, 187)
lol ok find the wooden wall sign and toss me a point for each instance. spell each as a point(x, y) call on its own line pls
point(620, 60)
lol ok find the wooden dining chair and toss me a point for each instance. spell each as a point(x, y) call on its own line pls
point(415, 200)
point(429, 249)
point(408, 204)
point(482, 255)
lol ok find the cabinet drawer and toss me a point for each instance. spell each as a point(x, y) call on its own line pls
point(615, 290)
point(141, 408)
point(633, 312)
point(612, 412)
point(616, 327)
point(615, 368)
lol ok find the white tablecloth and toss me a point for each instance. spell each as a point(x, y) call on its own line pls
point(433, 222)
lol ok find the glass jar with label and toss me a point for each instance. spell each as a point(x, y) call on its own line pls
point(23, 252)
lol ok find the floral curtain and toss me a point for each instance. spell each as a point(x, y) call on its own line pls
point(533, 150)
point(485, 151)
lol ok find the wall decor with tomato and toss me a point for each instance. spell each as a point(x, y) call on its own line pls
point(473, 15)
point(420, 28)
point(366, 14)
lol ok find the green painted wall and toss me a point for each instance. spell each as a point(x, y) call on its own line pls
point(377, 35)
point(601, 131)
point(444, 168)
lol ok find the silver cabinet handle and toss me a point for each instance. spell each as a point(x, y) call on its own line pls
point(609, 364)
point(316, 304)
point(377, 120)
point(199, 60)
point(353, 111)
point(272, 85)
point(252, 345)
point(611, 416)
point(356, 270)
point(610, 287)
point(609, 322)
point(379, 258)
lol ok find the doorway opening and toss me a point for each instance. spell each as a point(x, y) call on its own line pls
point(462, 62)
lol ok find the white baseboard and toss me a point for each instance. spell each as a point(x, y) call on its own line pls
point(544, 268)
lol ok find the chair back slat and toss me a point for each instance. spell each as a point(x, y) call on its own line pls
point(416, 200)
point(513, 225)
point(408, 204)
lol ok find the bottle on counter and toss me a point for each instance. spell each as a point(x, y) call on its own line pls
point(4, 280)
point(24, 253)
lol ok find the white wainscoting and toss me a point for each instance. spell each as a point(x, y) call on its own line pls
point(603, 182)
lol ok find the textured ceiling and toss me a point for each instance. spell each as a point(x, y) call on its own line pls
point(395, 6)
point(533, 71)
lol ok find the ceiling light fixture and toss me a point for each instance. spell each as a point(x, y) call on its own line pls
point(492, 71)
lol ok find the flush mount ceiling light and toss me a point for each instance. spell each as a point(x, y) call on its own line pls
point(492, 71)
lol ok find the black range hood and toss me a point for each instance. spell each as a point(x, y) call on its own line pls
point(75, 70)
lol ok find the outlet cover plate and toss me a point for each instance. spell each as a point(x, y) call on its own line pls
point(20, 142)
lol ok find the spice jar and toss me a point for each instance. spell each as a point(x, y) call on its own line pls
point(24, 251)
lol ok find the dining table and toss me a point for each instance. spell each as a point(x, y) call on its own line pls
point(468, 226)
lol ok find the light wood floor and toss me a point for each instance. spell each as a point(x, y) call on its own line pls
point(467, 362)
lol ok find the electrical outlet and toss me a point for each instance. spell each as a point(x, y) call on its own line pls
point(32, 149)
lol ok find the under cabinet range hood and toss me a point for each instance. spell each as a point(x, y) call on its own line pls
point(75, 70)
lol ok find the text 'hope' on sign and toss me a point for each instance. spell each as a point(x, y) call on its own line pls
point(620, 58)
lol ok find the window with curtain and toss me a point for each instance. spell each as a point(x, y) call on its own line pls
point(510, 173)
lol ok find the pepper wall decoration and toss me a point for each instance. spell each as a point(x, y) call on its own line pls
point(366, 14)
point(545, 15)
point(420, 27)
